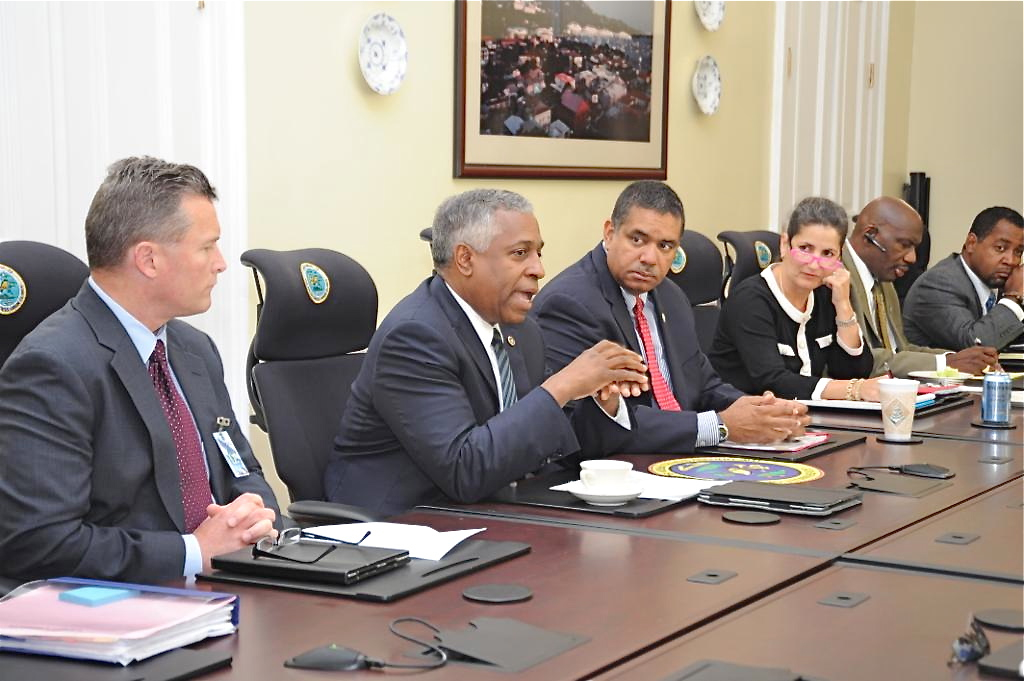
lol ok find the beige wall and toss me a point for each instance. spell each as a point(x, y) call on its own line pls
point(897, 97)
point(965, 125)
point(335, 165)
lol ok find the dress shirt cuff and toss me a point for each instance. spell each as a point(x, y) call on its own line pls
point(193, 555)
point(707, 429)
point(621, 413)
point(820, 388)
point(850, 351)
point(1014, 307)
point(940, 360)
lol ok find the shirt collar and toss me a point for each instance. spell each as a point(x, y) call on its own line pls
point(798, 316)
point(866, 278)
point(142, 338)
point(980, 288)
point(631, 299)
point(483, 329)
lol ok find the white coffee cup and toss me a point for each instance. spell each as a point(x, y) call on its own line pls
point(897, 397)
point(605, 474)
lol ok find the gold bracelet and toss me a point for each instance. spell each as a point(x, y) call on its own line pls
point(849, 389)
point(859, 383)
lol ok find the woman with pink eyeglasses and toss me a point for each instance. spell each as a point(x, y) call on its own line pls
point(792, 330)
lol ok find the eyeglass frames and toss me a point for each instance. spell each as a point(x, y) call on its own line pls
point(268, 547)
point(805, 258)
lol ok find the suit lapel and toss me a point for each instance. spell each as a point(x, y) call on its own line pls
point(133, 374)
point(860, 299)
point(467, 334)
point(892, 304)
point(613, 296)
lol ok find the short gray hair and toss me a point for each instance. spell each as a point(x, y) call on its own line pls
point(468, 218)
point(139, 201)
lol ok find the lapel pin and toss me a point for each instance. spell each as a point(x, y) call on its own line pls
point(511, 341)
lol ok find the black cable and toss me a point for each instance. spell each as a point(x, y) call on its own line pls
point(442, 655)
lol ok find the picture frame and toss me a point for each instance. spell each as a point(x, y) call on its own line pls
point(602, 115)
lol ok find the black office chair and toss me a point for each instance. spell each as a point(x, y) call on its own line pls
point(698, 270)
point(36, 280)
point(747, 253)
point(313, 325)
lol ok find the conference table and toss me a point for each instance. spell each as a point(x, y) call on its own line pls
point(647, 597)
point(633, 590)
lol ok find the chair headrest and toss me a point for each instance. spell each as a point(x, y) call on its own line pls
point(36, 280)
point(318, 303)
point(697, 269)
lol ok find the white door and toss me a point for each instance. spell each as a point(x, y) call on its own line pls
point(829, 103)
point(85, 83)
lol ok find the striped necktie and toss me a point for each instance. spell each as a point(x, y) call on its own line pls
point(882, 317)
point(659, 386)
point(195, 485)
point(508, 384)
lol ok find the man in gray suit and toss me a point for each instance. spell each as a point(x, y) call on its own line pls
point(119, 456)
point(974, 297)
point(880, 249)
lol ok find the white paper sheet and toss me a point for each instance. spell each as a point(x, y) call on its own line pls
point(419, 540)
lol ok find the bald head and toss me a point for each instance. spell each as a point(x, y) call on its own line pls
point(886, 235)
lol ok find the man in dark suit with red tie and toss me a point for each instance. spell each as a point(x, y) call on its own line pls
point(618, 292)
point(119, 456)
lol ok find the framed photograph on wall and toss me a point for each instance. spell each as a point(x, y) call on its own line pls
point(571, 89)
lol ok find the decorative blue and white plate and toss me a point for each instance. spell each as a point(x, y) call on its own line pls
point(710, 13)
point(383, 54)
point(707, 85)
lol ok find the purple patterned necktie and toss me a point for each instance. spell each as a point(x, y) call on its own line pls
point(195, 486)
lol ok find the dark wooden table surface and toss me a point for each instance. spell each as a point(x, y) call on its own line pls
point(953, 424)
point(625, 592)
point(902, 632)
point(977, 469)
point(997, 518)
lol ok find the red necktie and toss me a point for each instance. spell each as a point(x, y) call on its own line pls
point(195, 485)
point(662, 395)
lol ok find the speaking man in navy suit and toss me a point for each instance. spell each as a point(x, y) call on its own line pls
point(119, 454)
point(618, 292)
point(454, 400)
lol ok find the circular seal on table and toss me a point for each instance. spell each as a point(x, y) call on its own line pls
point(12, 290)
point(497, 593)
point(751, 517)
point(730, 468)
point(1002, 618)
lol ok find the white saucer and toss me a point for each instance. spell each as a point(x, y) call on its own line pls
point(616, 497)
point(383, 54)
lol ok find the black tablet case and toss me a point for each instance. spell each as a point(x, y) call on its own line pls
point(345, 564)
point(416, 575)
point(174, 665)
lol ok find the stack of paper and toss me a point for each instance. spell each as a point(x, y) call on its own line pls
point(110, 621)
point(419, 540)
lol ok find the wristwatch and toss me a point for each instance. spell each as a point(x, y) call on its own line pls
point(723, 430)
point(1015, 297)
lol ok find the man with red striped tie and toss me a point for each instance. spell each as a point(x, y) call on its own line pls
point(618, 292)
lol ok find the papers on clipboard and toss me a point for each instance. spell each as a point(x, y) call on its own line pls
point(922, 401)
point(797, 444)
point(141, 621)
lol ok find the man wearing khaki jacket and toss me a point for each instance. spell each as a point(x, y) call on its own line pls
point(880, 249)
